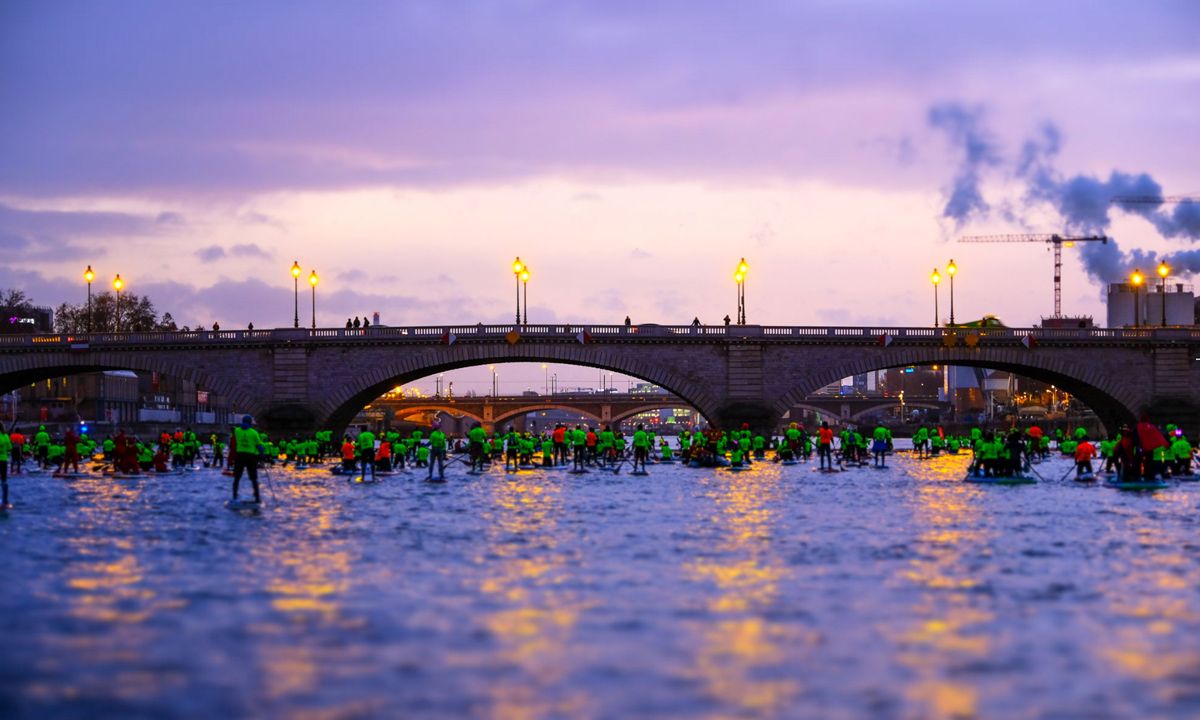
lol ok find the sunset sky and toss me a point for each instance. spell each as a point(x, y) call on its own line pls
point(630, 152)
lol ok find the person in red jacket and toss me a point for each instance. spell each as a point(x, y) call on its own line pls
point(1152, 445)
point(1084, 452)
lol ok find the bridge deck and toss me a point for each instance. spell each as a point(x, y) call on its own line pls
point(602, 334)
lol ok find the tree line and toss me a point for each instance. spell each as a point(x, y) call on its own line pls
point(135, 313)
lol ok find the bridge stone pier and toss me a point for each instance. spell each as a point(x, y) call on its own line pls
point(300, 379)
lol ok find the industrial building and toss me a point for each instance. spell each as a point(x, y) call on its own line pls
point(1150, 305)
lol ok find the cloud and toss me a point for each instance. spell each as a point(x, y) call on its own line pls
point(54, 234)
point(248, 250)
point(977, 150)
point(640, 254)
point(566, 88)
point(211, 253)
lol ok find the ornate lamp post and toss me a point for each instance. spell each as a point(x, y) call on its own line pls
point(296, 293)
point(739, 277)
point(525, 288)
point(951, 270)
point(118, 283)
point(935, 279)
point(1136, 280)
point(89, 276)
point(518, 266)
point(312, 281)
point(1163, 272)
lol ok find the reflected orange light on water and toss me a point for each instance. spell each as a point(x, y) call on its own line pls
point(738, 643)
point(1155, 592)
point(536, 618)
point(950, 629)
point(308, 578)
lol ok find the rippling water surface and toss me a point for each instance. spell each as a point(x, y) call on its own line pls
point(773, 592)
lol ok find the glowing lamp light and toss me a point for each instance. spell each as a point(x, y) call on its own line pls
point(88, 274)
point(295, 268)
point(312, 278)
point(951, 268)
point(738, 277)
point(742, 267)
point(525, 275)
point(518, 266)
point(118, 283)
point(1137, 278)
point(1163, 270)
point(936, 277)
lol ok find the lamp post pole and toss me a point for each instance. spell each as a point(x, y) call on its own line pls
point(739, 277)
point(1136, 280)
point(525, 288)
point(518, 266)
point(312, 280)
point(89, 276)
point(935, 279)
point(1163, 271)
point(296, 293)
point(118, 283)
point(952, 270)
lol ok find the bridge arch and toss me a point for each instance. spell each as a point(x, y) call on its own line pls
point(1113, 400)
point(18, 371)
point(444, 407)
point(534, 407)
point(343, 402)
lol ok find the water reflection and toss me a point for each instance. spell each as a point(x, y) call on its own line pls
point(306, 577)
point(531, 615)
point(947, 627)
point(1151, 597)
point(741, 650)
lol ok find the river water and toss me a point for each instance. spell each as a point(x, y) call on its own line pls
point(775, 592)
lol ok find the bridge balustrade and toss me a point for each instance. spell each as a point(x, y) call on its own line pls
point(425, 334)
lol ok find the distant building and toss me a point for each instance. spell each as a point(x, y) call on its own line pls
point(15, 321)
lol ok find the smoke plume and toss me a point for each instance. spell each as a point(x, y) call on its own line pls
point(1084, 202)
point(963, 127)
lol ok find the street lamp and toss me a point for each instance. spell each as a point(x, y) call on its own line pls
point(296, 292)
point(1163, 271)
point(312, 280)
point(118, 283)
point(89, 276)
point(951, 270)
point(493, 369)
point(935, 278)
point(518, 266)
point(525, 287)
point(546, 373)
point(739, 277)
point(1136, 279)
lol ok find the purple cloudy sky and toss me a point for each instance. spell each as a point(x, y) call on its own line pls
point(631, 152)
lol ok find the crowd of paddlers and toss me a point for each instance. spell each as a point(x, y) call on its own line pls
point(1138, 452)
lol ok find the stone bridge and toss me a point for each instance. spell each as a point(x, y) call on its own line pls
point(493, 411)
point(294, 379)
point(615, 407)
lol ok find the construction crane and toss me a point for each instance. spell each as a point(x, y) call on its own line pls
point(1154, 199)
point(1055, 241)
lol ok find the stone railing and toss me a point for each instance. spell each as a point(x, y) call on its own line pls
point(597, 334)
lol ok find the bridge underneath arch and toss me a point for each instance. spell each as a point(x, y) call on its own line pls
point(493, 411)
point(616, 407)
point(301, 379)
